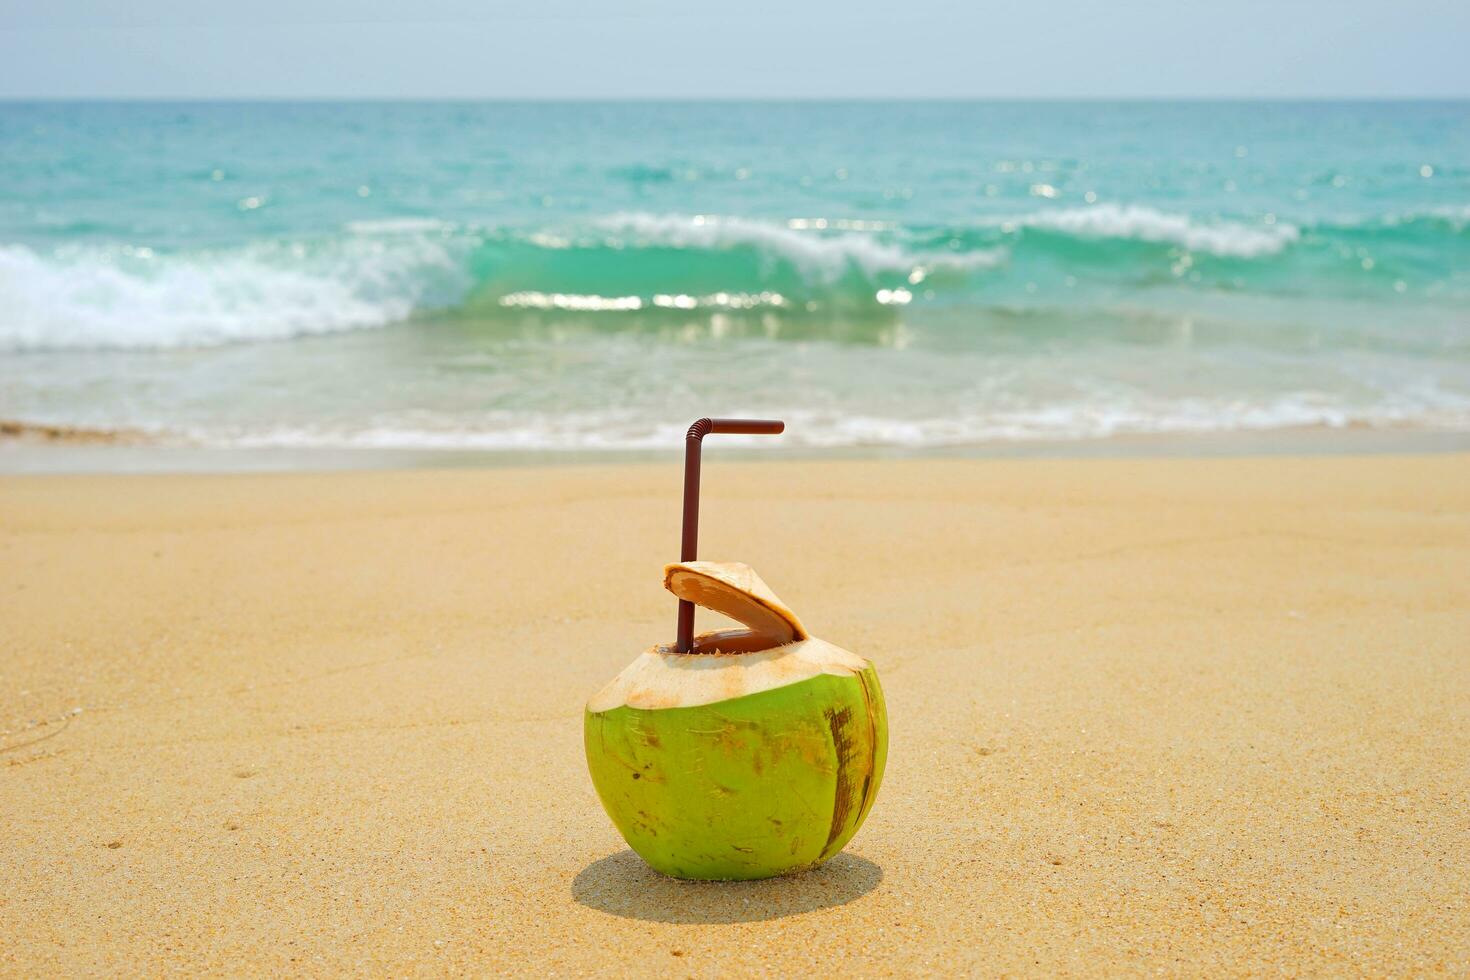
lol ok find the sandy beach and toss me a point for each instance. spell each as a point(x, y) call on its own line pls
point(1182, 716)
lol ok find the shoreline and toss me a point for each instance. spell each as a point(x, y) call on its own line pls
point(43, 449)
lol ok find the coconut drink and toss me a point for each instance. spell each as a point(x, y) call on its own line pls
point(740, 753)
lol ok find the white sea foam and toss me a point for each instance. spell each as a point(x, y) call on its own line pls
point(831, 247)
point(123, 298)
point(1144, 224)
point(593, 303)
point(803, 242)
point(1457, 216)
point(399, 226)
point(806, 428)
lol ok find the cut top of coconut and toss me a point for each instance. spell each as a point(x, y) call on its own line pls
point(734, 589)
point(662, 678)
point(773, 651)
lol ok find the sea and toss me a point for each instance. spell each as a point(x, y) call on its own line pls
point(589, 277)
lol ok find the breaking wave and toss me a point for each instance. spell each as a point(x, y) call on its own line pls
point(122, 298)
point(1143, 224)
point(826, 249)
point(373, 274)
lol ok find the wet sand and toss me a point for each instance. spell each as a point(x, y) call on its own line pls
point(1190, 716)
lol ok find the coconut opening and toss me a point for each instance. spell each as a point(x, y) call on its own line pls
point(732, 640)
point(772, 650)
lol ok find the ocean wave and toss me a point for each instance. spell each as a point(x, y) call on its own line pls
point(1144, 224)
point(801, 268)
point(122, 298)
point(379, 273)
point(802, 241)
point(370, 274)
point(1427, 224)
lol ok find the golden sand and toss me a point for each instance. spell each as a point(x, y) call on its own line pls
point(1189, 716)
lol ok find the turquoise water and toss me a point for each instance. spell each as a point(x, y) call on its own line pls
point(585, 276)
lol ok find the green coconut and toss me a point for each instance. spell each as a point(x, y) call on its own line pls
point(758, 753)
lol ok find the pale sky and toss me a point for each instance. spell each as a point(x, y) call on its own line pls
point(752, 49)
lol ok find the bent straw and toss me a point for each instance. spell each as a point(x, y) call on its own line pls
point(689, 544)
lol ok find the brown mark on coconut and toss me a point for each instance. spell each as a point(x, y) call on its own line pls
point(870, 789)
point(838, 722)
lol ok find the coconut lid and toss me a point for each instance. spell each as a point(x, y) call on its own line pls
point(735, 590)
point(772, 651)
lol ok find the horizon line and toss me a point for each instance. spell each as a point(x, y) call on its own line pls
point(774, 99)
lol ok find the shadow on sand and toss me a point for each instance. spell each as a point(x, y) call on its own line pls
point(621, 884)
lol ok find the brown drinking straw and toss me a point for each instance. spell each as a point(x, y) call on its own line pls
point(690, 543)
